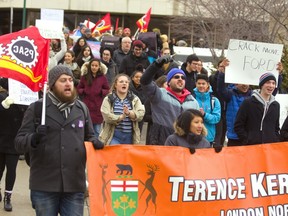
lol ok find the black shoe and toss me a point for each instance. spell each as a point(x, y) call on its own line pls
point(7, 202)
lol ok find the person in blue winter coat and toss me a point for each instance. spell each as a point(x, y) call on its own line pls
point(209, 105)
point(234, 95)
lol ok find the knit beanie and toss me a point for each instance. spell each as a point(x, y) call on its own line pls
point(56, 72)
point(266, 77)
point(174, 71)
point(138, 43)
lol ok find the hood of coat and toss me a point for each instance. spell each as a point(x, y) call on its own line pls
point(84, 68)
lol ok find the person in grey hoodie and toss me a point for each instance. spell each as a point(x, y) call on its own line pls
point(257, 120)
point(190, 131)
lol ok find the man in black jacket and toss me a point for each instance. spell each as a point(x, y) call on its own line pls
point(257, 120)
point(57, 153)
point(190, 69)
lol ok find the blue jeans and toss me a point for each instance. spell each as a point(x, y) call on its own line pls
point(52, 203)
point(97, 128)
point(121, 138)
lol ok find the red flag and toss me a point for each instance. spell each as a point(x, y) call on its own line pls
point(103, 24)
point(143, 22)
point(24, 57)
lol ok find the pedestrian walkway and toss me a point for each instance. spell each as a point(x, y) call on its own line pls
point(21, 194)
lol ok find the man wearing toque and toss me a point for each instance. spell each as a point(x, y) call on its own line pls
point(57, 152)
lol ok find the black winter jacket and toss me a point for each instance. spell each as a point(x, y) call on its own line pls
point(249, 118)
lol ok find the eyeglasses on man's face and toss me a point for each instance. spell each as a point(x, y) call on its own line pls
point(178, 77)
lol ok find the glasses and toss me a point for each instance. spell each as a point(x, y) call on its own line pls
point(178, 77)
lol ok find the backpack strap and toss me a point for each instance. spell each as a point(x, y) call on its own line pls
point(84, 109)
point(212, 101)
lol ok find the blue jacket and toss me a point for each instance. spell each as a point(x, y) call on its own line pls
point(234, 99)
point(212, 114)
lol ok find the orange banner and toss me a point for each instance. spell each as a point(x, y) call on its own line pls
point(164, 180)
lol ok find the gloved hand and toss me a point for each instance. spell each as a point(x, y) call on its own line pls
point(193, 138)
point(7, 102)
point(97, 144)
point(217, 148)
point(192, 150)
point(41, 131)
point(163, 59)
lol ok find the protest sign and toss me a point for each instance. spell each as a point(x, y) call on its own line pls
point(20, 93)
point(52, 14)
point(250, 59)
point(283, 101)
point(50, 29)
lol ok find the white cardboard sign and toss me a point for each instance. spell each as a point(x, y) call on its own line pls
point(50, 29)
point(20, 93)
point(250, 59)
point(52, 14)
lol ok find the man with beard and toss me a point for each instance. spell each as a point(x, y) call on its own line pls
point(57, 151)
point(166, 103)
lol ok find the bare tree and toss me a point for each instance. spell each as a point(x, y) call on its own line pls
point(218, 21)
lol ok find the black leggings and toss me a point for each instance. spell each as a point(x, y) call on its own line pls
point(10, 161)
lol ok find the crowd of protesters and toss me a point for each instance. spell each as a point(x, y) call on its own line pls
point(127, 86)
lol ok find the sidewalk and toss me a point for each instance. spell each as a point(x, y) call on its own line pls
point(21, 194)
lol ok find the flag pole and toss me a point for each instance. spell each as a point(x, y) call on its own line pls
point(136, 33)
point(43, 117)
point(116, 26)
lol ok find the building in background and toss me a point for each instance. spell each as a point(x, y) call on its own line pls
point(75, 11)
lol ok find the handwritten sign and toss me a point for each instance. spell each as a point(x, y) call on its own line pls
point(250, 59)
point(20, 93)
point(283, 101)
point(51, 14)
point(50, 29)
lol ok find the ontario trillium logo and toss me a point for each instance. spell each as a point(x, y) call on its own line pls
point(124, 190)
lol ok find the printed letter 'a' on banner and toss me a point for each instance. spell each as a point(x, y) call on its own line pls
point(24, 57)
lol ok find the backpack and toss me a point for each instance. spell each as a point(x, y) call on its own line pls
point(212, 99)
point(112, 42)
point(37, 119)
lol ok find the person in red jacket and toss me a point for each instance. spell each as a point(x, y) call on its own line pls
point(92, 89)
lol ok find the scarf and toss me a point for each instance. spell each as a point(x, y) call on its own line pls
point(72, 66)
point(64, 108)
point(181, 98)
point(86, 59)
